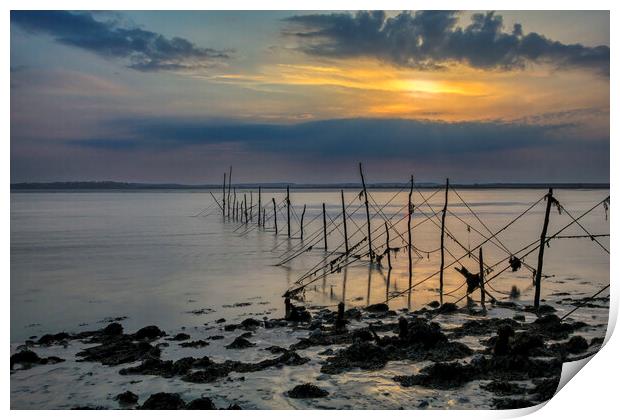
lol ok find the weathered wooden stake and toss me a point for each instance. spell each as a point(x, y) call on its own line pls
point(344, 222)
point(410, 212)
point(275, 214)
point(245, 208)
point(370, 253)
point(324, 228)
point(288, 212)
point(263, 218)
point(229, 184)
point(541, 249)
point(482, 294)
point(224, 197)
point(301, 227)
point(251, 205)
point(235, 204)
point(387, 246)
point(259, 205)
point(443, 227)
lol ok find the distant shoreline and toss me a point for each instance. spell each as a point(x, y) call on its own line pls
point(126, 186)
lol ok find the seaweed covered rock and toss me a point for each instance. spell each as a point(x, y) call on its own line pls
point(307, 391)
point(126, 398)
point(151, 332)
point(250, 323)
point(577, 344)
point(420, 331)
point(240, 343)
point(440, 376)
point(27, 358)
point(362, 355)
point(202, 403)
point(378, 307)
point(195, 344)
point(51, 339)
point(164, 401)
point(118, 351)
point(113, 329)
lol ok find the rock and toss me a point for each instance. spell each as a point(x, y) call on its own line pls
point(361, 354)
point(250, 323)
point(50, 339)
point(25, 357)
point(577, 344)
point(28, 358)
point(195, 344)
point(353, 313)
point(378, 307)
point(504, 388)
point(307, 391)
point(439, 376)
point(202, 403)
point(240, 343)
point(519, 317)
point(423, 404)
point(113, 329)
point(126, 398)
point(434, 304)
point(447, 308)
point(276, 349)
point(163, 401)
point(231, 327)
point(511, 403)
point(180, 337)
point(119, 350)
point(215, 337)
point(234, 407)
point(220, 321)
point(151, 332)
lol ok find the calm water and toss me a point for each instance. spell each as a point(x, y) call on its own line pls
point(78, 258)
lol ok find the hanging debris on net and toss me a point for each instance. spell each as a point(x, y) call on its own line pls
point(515, 263)
point(473, 280)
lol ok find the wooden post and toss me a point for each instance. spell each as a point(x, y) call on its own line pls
point(245, 208)
point(443, 227)
point(541, 249)
point(229, 184)
point(263, 218)
point(482, 294)
point(387, 246)
point(251, 205)
point(324, 228)
point(235, 203)
point(370, 253)
point(301, 227)
point(288, 212)
point(259, 205)
point(224, 197)
point(344, 222)
point(275, 214)
point(409, 214)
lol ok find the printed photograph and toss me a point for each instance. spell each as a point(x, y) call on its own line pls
point(268, 210)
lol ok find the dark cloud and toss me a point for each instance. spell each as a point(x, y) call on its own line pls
point(432, 39)
point(354, 138)
point(144, 50)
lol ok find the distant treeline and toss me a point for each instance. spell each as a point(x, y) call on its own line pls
point(110, 185)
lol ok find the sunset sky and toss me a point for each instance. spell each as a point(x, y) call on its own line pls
point(303, 96)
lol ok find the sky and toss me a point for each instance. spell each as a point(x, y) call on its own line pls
point(304, 96)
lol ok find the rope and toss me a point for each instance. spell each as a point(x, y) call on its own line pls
point(584, 302)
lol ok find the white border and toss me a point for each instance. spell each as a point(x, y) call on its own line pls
point(592, 395)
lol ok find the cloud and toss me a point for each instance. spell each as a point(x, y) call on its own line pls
point(351, 138)
point(432, 40)
point(143, 50)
